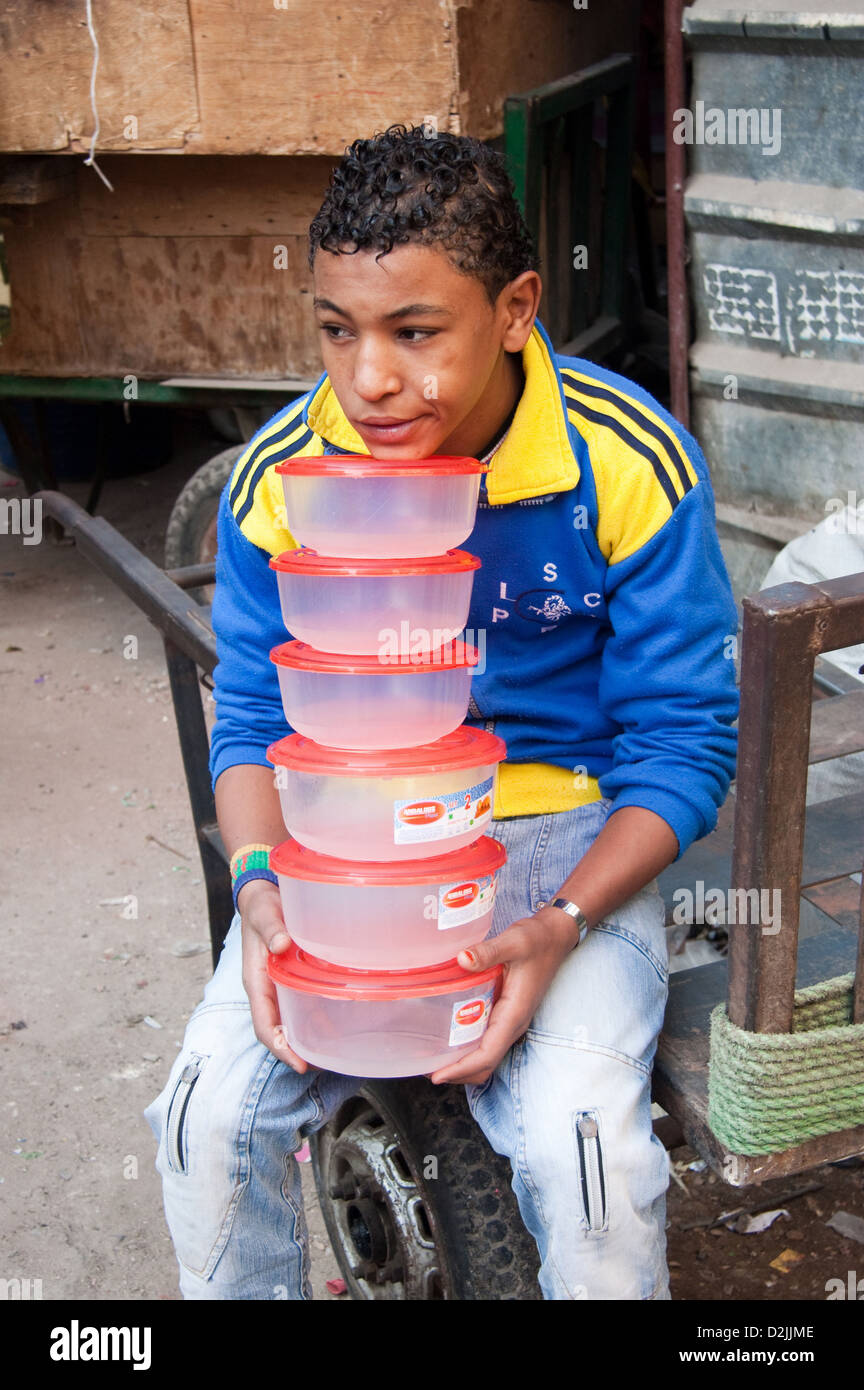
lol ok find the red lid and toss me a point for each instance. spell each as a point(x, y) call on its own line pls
point(464, 747)
point(304, 561)
point(364, 466)
point(314, 976)
point(301, 657)
point(485, 856)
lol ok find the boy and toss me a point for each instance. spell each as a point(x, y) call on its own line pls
point(605, 602)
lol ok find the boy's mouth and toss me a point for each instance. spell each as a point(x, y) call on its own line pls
point(387, 429)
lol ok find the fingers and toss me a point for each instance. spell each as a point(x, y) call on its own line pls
point(473, 1068)
point(505, 1026)
point(510, 945)
point(269, 1030)
point(263, 1003)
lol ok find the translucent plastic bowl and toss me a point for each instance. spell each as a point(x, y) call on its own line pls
point(351, 504)
point(387, 916)
point(371, 606)
point(376, 1023)
point(364, 702)
point(406, 803)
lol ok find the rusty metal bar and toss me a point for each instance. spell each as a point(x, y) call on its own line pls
point(167, 607)
point(676, 173)
point(191, 576)
point(777, 656)
point(785, 628)
point(192, 733)
point(843, 624)
point(858, 995)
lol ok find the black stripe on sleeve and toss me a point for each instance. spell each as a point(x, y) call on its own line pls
point(290, 427)
point(262, 469)
point(630, 439)
point(630, 408)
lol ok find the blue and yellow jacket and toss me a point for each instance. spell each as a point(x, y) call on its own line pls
point(603, 598)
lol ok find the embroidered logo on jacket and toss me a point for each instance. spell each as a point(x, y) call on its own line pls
point(543, 605)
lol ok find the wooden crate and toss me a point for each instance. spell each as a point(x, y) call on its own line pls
point(192, 267)
point(178, 271)
point(281, 76)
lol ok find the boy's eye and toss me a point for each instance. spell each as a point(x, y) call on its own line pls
point(336, 332)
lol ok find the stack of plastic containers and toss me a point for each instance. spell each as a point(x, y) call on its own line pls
point(385, 792)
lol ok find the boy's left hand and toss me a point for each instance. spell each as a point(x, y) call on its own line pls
point(531, 949)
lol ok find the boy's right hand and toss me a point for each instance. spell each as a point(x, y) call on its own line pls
point(262, 928)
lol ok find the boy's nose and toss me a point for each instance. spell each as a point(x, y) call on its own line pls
point(375, 375)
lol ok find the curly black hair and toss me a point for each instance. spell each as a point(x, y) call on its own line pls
point(412, 184)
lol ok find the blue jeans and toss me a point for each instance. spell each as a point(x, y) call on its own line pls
point(569, 1105)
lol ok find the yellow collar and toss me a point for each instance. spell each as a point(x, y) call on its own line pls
point(536, 456)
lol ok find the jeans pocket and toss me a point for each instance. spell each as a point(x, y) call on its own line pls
point(592, 1169)
point(176, 1148)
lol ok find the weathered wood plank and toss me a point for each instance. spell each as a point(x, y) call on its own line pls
point(204, 196)
point(26, 182)
point(299, 78)
point(834, 839)
point(837, 726)
point(284, 76)
point(145, 82)
point(157, 280)
point(833, 849)
point(840, 898)
point(510, 46)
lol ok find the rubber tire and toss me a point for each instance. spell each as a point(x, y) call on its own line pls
point(194, 513)
point(489, 1252)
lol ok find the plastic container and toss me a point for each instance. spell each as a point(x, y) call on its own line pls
point(351, 504)
point(405, 803)
point(367, 702)
point(381, 1023)
point(387, 916)
point(350, 605)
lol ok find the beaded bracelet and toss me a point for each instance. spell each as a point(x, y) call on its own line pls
point(250, 857)
point(246, 877)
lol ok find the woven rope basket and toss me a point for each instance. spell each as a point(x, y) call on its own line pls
point(771, 1091)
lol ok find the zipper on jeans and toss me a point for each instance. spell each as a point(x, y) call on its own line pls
point(591, 1167)
point(177, 1113)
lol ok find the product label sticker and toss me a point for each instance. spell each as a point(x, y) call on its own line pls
point(439, 817)
point(461, 902)
point(469, 1017)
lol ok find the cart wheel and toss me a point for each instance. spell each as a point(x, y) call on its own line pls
point(191, 535)
point(398, 1230)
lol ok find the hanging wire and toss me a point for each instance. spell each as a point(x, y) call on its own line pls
point(91, 160)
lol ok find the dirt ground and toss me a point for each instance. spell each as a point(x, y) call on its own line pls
point(96, 827)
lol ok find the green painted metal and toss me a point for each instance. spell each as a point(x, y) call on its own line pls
point(151, 392)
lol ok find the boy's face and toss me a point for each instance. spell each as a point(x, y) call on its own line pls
point(417, 355)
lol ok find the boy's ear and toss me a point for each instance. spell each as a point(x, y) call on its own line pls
point(518, 304)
